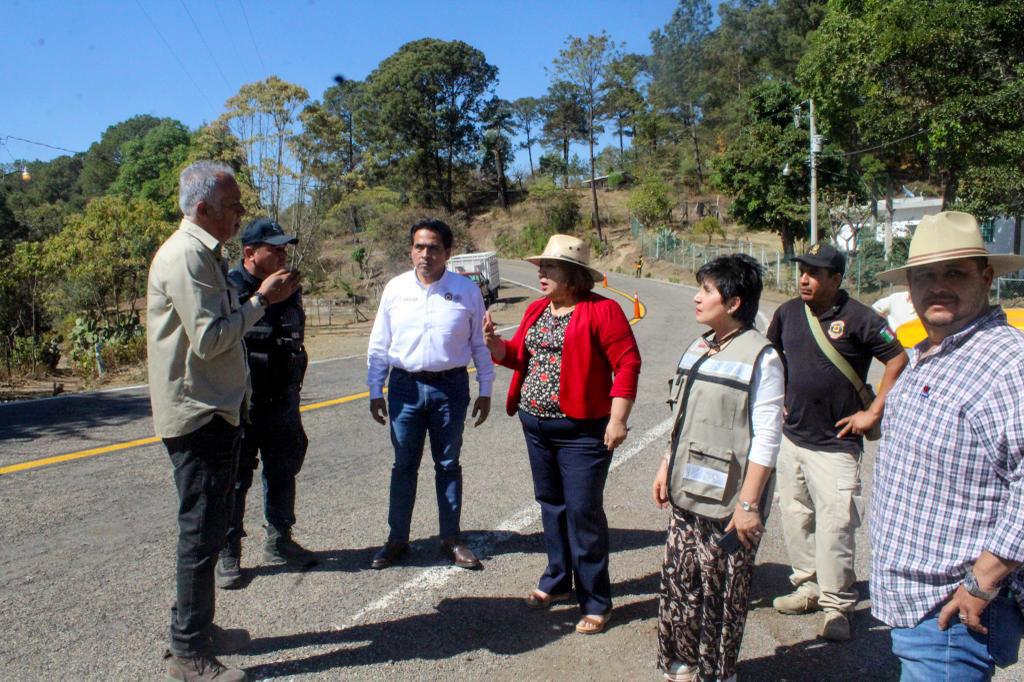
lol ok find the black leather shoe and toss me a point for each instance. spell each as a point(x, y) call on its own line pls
point(389, 554)
point(460, 554)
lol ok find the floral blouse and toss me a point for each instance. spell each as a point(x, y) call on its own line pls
point(544, 342)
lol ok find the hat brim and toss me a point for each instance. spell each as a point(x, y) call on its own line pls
point(279, 240)
point(1001, 263)
point(596, 274)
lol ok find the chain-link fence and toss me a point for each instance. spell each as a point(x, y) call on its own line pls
point(1009, 292)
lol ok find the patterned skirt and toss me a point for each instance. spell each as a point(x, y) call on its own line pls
point(704, 597)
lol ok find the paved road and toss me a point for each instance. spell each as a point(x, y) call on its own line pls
point(86, 572)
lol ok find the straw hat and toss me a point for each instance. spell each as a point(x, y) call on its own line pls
point(569, 249)
point(950, 235)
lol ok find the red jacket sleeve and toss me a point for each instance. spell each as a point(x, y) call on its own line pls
point(619, 345)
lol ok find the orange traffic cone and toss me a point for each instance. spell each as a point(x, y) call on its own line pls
point(605, 284)
point(636, 305)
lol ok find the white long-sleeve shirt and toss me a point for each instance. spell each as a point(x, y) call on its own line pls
point(428, 328)
point(769, 393)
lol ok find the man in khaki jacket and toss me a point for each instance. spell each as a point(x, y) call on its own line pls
point(198, 384)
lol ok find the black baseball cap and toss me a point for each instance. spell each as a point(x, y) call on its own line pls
point(822, 255)
point(266, 231)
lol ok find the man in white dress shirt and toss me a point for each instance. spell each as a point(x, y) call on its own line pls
point(428, 326)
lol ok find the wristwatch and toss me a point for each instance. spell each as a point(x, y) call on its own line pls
point(749, 507)
point(974, 589)
point(261, 300)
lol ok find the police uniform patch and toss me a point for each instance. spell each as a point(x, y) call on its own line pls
point(837, 328)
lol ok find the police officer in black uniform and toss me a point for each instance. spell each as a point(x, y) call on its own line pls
point(277, 365)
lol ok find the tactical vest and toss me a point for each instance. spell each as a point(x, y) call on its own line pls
point(711, 430)
point(274, 345)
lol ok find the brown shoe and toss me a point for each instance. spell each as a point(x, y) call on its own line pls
point(200, 668)
point(389, 554)
point(460, 554)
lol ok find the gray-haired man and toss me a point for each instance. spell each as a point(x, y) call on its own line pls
point(198, 384)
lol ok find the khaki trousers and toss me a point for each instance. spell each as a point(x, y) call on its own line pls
point(821, 503)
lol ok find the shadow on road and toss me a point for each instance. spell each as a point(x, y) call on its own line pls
point(426, 552)
point(72, 416)
point(867, 656)
point(501, 625)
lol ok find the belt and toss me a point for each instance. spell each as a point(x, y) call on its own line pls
point(428, 376)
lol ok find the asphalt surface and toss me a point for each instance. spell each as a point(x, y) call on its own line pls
point(86, 571)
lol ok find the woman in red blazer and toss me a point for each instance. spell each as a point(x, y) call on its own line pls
point(576, 365)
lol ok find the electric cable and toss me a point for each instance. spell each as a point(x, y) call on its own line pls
point(256, 47)
point(175, 55)
point(199, 33)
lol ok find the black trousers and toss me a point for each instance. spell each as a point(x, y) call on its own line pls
point(205, 464)
point(275, 434)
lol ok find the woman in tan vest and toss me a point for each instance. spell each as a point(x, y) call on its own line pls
point(715, 476)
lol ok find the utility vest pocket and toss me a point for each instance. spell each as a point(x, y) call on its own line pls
point(711, 473)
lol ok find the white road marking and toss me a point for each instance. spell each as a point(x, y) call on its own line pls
point(433, 578)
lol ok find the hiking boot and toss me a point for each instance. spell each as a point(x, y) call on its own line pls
point(281, 549)
point(796, 603)
point(228, 573)
point(836, 626)
point(200, 668)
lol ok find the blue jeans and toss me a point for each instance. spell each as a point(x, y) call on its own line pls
point(570, 464)
point(928, 654)
point(204, 462)
point(418, 407)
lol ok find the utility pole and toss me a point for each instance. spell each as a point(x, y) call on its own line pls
point(815, 149)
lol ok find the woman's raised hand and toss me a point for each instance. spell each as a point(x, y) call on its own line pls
point(494, 342)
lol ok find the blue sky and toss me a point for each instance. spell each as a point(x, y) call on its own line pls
point(73, 68)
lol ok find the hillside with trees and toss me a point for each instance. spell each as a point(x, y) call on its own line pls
point(922, 94)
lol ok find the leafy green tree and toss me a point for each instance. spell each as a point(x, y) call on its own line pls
point(102, 162)
point(216, 142)
point(564, 122)
point(624, 99)
point(496, 145)
point(941, 85)
point(263, 115)
point(529, 113)
point(583, 63)
point(421, 115)
point(650, 203)
point(676, 62)
point(150, 165)
point(102, 257)
point(751, 169)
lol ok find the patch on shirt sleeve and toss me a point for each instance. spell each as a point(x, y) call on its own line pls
point(887, 334)
point(836, 329)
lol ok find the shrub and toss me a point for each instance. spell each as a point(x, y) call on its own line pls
point(709, 227)
point(616, 179)
point(650, 203)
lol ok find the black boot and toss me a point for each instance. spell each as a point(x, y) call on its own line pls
point(228, 573)
point(281, 549)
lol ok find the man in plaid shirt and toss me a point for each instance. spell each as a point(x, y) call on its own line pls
point(948, 506)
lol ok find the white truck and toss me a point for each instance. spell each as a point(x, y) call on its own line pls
point(482, 268)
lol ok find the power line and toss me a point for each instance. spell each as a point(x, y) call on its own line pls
point(205, 44)
point(39, 144)
point(175, 55)
point(253, 39)
point(922, 131)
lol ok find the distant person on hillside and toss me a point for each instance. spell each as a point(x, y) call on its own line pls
point(427, 329)
point(199, 389)
point(727, 427)
point(947, 529)
point(638, 266)
point(828, 340)
point(575, 368)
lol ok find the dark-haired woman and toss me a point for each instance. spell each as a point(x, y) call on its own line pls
point(576, 365)
point(715, 475)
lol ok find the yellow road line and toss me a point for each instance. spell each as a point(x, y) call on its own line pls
point(117, 447)
point(35, 463)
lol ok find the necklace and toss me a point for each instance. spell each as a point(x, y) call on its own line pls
point(715, 345)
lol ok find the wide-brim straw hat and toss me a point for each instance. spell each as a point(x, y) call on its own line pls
point(950, 235)
point(568, 249)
